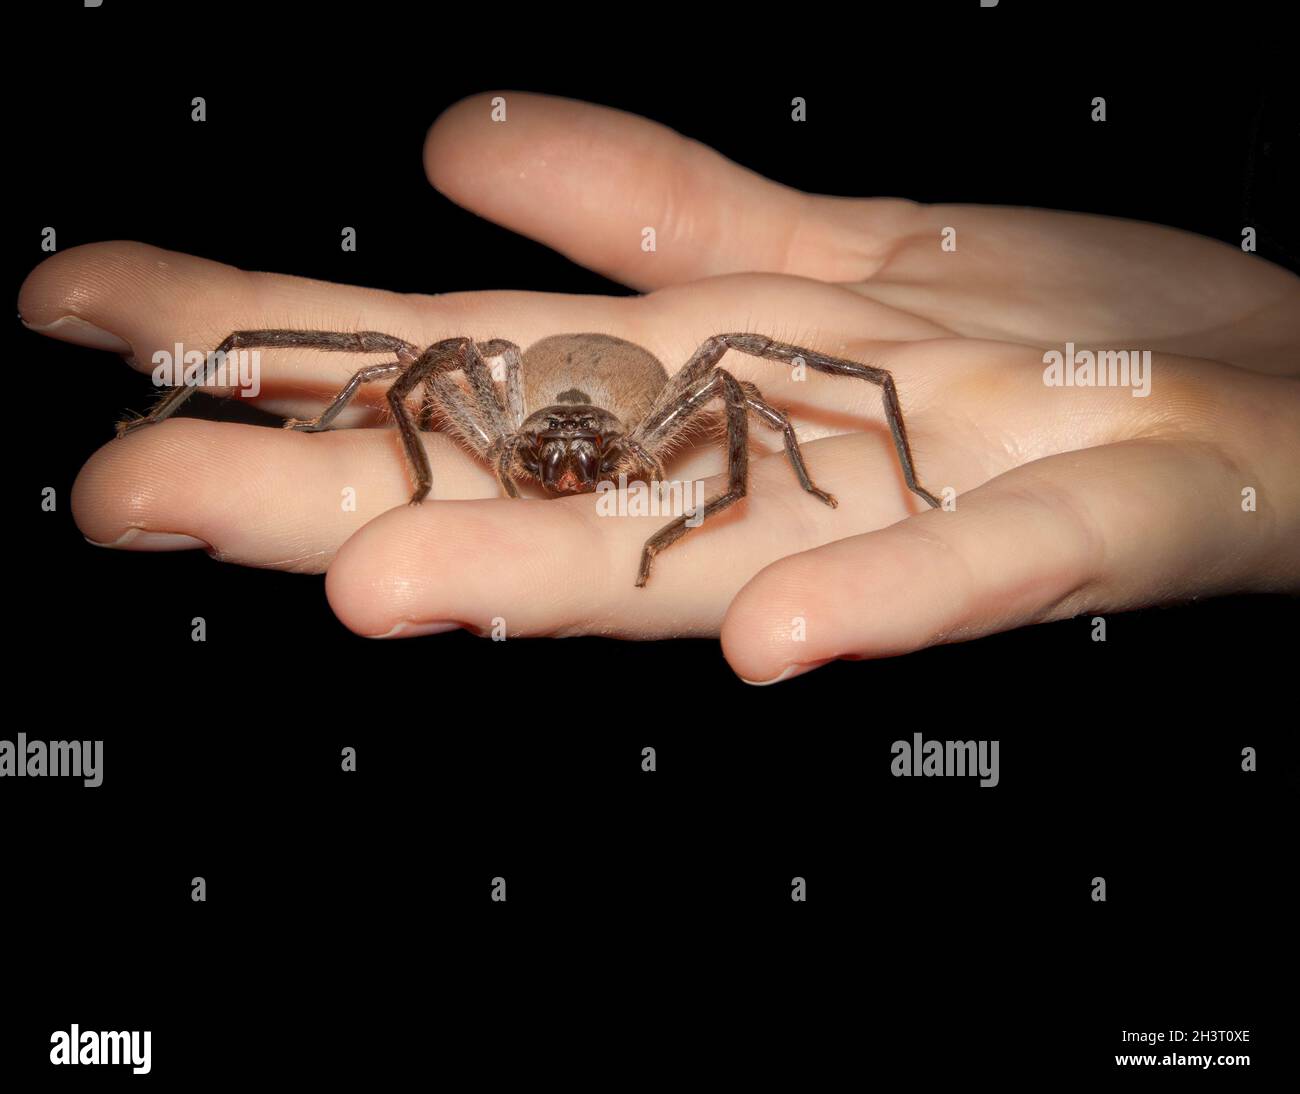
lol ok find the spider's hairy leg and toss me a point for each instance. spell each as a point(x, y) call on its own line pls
point(502, 456)
point(780, 421)
point(511, 364)
point(362, 376)
point(674, 404)
point(482, 424)
point(366, 341)
point(641, 458)
point(511, 358)
point(719, 384)
point(756, 345)
point(673, 411)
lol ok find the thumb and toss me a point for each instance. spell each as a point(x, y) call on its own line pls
point(589, 180)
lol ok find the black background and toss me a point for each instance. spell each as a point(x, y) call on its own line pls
point(649, 931)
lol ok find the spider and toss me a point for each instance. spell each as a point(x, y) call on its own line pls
point(578, 409)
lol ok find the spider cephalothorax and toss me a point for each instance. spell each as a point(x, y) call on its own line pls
point(572, 411)
point(569, 449)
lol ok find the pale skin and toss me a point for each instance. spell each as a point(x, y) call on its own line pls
point(1067, 500)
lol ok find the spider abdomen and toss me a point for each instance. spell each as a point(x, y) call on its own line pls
point(592, 370)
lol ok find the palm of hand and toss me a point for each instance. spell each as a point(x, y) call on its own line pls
point(1066, 498)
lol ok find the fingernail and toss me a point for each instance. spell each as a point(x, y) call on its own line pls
point(140, 540)
point(71, 328)
point(415, 630)
point(788, 673)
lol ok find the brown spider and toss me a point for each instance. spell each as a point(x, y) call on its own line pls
point(579, 409)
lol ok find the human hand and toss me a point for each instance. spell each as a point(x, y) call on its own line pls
point(863, 279)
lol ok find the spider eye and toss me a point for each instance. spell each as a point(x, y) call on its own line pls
point(586, 423)
point(552, 423)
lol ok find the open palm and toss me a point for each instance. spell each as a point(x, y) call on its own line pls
point(1067, 498)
